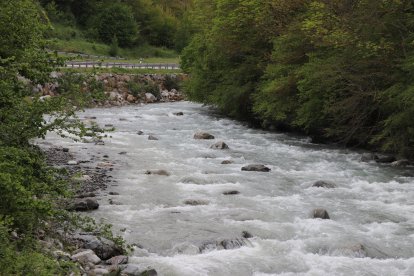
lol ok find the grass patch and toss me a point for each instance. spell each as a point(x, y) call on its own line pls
point(146, 52)
point(79, 46)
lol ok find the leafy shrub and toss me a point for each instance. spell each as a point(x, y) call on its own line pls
point(81, 89)
point(113, 51)
point(117, 20)
point(171, 82)
point(138, 89)
point(135, 88)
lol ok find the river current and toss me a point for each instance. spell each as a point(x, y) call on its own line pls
point(371, 230)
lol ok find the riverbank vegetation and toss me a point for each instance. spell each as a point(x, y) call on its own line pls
point(32, 192)
point(339, 71)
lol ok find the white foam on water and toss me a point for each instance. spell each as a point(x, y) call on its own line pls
point(371, 231)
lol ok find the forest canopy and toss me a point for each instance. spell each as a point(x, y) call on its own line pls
point(340, 71)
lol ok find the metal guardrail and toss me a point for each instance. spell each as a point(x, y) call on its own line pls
point(97, 64)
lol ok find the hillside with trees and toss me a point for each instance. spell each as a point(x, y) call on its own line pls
point(132, 24)
point(339, 71)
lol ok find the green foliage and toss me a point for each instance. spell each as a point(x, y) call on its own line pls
point(138, 89)
point(338, 70)
point(171, 82)
point(27, 188)
point(80, 89)
point(76, 222)
point(160, 23)
point(226, 60)
point(30, 190)
point(117, 20)
point(113, 51)
point(28, 261)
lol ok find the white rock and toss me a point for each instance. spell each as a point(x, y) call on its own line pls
point(114, 96)
point(87, 256)
point(99, 271)
point(44, 98)
point(150, 98)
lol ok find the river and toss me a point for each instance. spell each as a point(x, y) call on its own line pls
point(371, 230)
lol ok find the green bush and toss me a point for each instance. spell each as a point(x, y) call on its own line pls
point(113, 51)
point(171, 82)
point(138, 89)
point(117, 20)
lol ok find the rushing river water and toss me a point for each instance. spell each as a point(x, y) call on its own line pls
point(371, 230)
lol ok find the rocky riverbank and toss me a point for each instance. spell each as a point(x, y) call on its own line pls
point(90, 251)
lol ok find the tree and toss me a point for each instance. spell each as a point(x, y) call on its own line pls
point(117, 20)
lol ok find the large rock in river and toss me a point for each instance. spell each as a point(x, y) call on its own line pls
point(320, 213)
point(385, 159)
point(152, 137)
point(158, 172)
point(220, 145)
point(367, 157)
point(203, 135)
point(255, 168)
point(84, 204)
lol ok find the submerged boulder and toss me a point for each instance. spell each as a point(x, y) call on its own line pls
point(400, 163)
point(231, 193)
point(367, 157)
point(324, 184)
point(158, 172)
point(246, 235)
point(225, 244)
point(255, 168)
point(203, 136)
point(152, 137)
point(195, 202)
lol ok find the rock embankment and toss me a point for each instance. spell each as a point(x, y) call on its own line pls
point(118, 89)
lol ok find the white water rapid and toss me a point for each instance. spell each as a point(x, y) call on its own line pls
point(371, 230)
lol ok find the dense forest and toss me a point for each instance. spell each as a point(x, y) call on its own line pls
point(339, 71)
